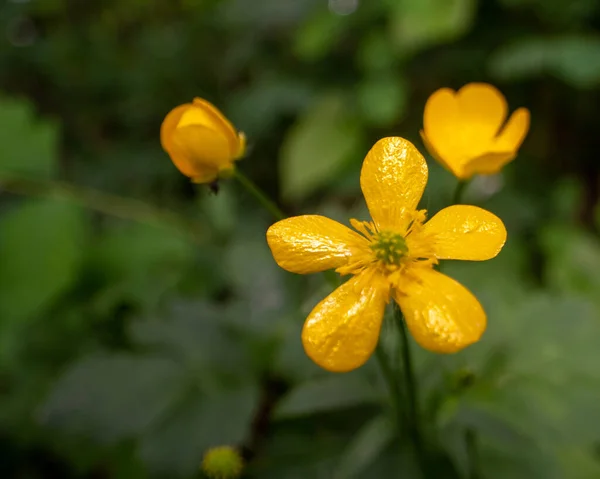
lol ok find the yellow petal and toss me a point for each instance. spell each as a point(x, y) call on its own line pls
point(442, 315)
point(221, 123)
point(167, 128)
point(487, 164)
point(204, 150)
point(515, 131)
point(312, 243)
point(464, 232)
point(483, 109)
point(342, 331)
point(440, 122)
point(393, 177)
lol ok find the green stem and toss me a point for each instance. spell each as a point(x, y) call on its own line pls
point(410, 384)
point(459, 191)
point(260, 196)
point(105, 203)
point(471, 445)
point(390, 378)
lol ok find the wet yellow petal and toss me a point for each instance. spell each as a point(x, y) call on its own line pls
point(342, 331)
point(483, 109)
point(442, 315)
point(312, 243)
point(393, 177)
point(464, 232)
point(515, 131)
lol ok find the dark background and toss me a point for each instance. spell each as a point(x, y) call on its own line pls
point(143, 320)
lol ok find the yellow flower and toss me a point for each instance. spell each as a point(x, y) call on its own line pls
point(392, 256)
point(465, 130)
point(201, 142)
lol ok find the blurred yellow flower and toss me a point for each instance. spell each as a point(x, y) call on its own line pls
point(201, 142)
point(392, 256)
point(466, 132)
point(223, 462)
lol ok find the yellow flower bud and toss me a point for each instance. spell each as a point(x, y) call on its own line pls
point(201, 142)
point(222, 462)
point(467, 132)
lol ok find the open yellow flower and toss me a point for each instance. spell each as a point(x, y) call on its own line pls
point(465, 130)
point(201, 142)
point(392, 256)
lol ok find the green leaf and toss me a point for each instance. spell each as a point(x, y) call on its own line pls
point(42, 244)
point(417, 25)
point(383, 99)
point(365, 447)
point(326, 394)
point(112, 397)
point(197, 424)
point(29, 146)
point(573, 59)
point(318, 146)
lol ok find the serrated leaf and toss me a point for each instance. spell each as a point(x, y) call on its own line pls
point(29, 146)
point(111, 397)
point(327, 394)
point(368, 443)
point(318, 146)
point(42, 244)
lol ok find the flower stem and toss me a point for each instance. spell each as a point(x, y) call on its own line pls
point(410, 385)
point(105, 203)
point(390, 378)
point(459, 191)
point(260, 196)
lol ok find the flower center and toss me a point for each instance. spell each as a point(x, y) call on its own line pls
point(389, 247)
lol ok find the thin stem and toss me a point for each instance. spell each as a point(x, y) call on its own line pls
point(126, 208)
point(390, 379)
point(459, 191)
point(410, 385)
point(260, 196)
point(473, 455)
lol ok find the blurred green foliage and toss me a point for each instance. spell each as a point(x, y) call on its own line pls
point(138, 333)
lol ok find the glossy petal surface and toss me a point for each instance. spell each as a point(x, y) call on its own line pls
point(222, 124)
point(166, 139)
point(465, 232)
point(393, 177)
point(312, 243)
point(203, 148)
point(442, 315)
point(342, 331)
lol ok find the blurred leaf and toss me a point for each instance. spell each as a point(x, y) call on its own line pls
point(375, 53)
point(112, 397)
point(42, 244)
point(318, 146)
point(573, 259)
point(417, 25)
point(383, 99)
point(141, 261)
point(573, 59)
point(368, 443)
point(316, 38)
point(29, 146)
point(176, 447)
point(326, 394)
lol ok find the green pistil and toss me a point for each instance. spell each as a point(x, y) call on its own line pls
point(389, 247)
